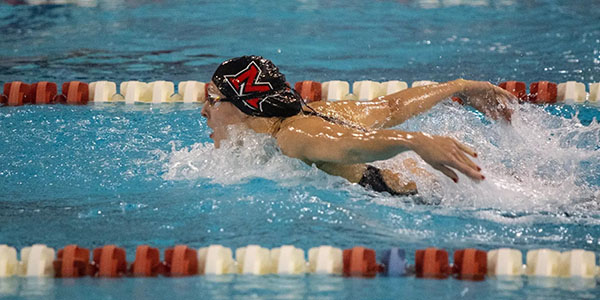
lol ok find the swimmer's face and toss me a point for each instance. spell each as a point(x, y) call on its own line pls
point(219, 114)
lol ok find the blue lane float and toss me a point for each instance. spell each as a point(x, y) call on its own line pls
point(394, 262)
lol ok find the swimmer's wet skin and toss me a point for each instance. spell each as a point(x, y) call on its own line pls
point(340, 138)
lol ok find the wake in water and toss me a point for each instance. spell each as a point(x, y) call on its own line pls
point(540, 162)
point(245, 155)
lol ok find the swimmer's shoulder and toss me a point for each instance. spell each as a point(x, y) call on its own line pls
point(301, 123)
point(299, 134)
point(370, 114)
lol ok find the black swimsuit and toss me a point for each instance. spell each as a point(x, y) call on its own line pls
point(373, 179)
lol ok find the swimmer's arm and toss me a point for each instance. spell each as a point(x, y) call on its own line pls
point(407, 103)
point(394, 109)
point(320, 141)
point(316, 140)
point(481, 95)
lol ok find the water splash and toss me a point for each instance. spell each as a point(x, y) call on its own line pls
point(539, 163)
point(245, 155)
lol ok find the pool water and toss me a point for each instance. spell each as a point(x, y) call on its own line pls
point(149, 174)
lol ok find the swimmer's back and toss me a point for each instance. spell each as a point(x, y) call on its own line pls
point(368, 114)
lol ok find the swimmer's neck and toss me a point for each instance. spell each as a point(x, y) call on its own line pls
point(264, 125)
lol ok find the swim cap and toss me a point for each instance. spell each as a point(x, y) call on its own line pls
point(256, 87)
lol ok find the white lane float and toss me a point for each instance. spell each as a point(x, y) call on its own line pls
point(325, 260)
point(215, 260)
point(36, 261)
point(571, 92)
point(254, 260)
point(288, 260)
point(366, 90)
point(577, 263)
point(594, 98)
point(8, 261)
point(542, 262)
point(191, 92)
point(504, 262)
point(334, 90)
point(392, 86)
point(102, 91)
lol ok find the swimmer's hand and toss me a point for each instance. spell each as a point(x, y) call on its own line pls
point(487, 98)
point(444, 154)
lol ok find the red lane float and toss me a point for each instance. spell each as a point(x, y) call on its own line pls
point(147, 262)
point(360, 261)
point(516, 88)
point(470, 264)
point(110, 261)
point(16, 93)
point(543, 92)
point(75, 92)
point(310, 91)
point(181, 261)
point(432, 263)
point(43, 92)
point(73, 261)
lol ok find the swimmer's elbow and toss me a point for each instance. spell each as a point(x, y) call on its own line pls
point(291, 145)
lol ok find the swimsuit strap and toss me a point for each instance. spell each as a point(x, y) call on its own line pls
point(313, 112)
point(332, 120)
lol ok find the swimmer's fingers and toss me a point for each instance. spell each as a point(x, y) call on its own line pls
point(486, 104)
point(460, 167)
point(467, 170)
point(447, 172)
point(443, 153)
point(462, 163)
point(493, 101)
point(507, 111)
point(465, 148)
point(504, 101)
point(507, 114)
point(493, 114)
point(509, 96)
point(465, 160)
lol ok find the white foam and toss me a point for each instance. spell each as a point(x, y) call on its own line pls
point(246, 155)
point(535, 164)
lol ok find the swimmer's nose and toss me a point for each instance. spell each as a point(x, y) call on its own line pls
point(204, 112)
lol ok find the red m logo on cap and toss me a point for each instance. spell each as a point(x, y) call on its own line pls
point(246, 81)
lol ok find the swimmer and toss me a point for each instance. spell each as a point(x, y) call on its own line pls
point(342, 138)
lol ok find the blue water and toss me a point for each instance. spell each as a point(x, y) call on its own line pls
point(129, 175)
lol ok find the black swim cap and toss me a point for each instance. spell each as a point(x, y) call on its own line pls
point(256, 87)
